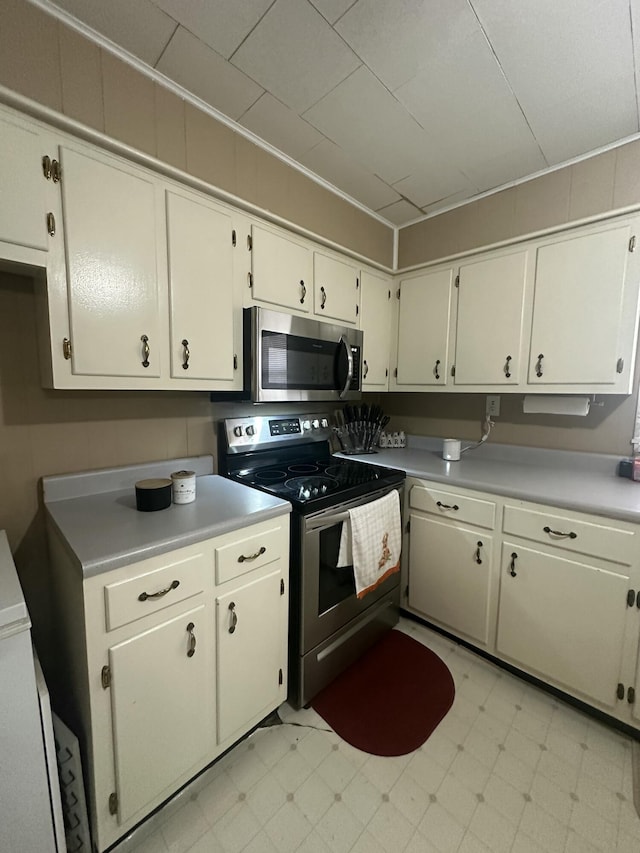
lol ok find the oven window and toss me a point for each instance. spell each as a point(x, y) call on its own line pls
point(297, 363)
point(335, 584)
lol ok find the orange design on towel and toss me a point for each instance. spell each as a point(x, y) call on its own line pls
point(380, 580)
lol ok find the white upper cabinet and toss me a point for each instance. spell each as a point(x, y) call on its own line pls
point(584, 312)
point(200, 249)
point(111, 222)
point(491, 302)
point(376, 310)
point(23, 185)
point(424, 329)
point(335, 288)
point(281, 270)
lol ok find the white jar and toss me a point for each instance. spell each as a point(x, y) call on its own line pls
point(183, 486)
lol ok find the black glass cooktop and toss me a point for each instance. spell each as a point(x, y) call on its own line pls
point(319, 482)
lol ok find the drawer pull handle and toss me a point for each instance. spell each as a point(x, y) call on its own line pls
point(243, 559)
point(192, 640)
point(145, 595)
point(478, 557)
point(512, 564)
point(447, 506)
point(570, 535)
point(234, 617)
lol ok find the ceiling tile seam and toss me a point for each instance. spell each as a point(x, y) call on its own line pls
point(164, 49)
point(346, 11)
point(257, 23)
point(635, 68)
point(506, 79)
point(157, 76)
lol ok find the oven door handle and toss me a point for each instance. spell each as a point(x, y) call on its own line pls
point(325, 521)
point(347, 349)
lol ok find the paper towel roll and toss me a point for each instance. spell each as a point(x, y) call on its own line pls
point(555, 404)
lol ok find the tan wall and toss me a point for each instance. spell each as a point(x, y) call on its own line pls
point(606, 182)
point(46, 61)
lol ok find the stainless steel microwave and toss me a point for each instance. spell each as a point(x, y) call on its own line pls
point(290, 358)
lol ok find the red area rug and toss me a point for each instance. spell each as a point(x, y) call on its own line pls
point(390, 700)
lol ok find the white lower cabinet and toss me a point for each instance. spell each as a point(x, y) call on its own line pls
point(156, 681)
point(556, 594)
point(159, 734)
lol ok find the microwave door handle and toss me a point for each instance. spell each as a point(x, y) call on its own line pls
point(347, 348)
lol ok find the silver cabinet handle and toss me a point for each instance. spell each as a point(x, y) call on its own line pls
point(144, 596)
point(507, 367)
point(323, 297)
point(539, 365)
point(304, 292)
point(366, 369)
point(243, 559)
point(234, 617)
point(186, 355)
point(145, 350)
point(192, 640)
point(347, 348)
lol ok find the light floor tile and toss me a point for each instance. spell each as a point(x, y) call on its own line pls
point(509, 768)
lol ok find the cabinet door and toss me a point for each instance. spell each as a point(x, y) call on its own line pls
point(110, 224)
point(424, 329)
point(250, 670)
point(163, 706)
point(490, 316)
point(579, 287)
point(22, 186)
point(335, 288)
point(199, 236)
point(281, 270)
point(562, 619)
point(449, 572)
point(375, 322)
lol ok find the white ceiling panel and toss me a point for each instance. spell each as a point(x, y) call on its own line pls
point(280, 126)
point(553, 51)
point(295, 54)
point(222, 24)
point(635, 23)
point(140, 28)
point(400, 212)
point(395, 40)
point(342, 170)
point(568, 128)
point(194, 65)
point(362, 117)
point(332, 9)
point(432, 184)
point(445, 203)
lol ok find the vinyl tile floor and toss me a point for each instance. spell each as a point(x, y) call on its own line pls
point(510, 769)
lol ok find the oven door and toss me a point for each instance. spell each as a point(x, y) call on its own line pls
point(328, 597)
point(295, 358)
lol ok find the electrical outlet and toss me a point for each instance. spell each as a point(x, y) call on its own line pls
point(493, 405)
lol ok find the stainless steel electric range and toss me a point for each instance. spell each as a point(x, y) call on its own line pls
point(290, 456)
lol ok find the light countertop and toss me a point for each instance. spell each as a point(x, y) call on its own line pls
point(586, 482)
point(103, 530)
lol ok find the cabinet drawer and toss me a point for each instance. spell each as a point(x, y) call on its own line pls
point(455, 506)
point(246, 553)
point(567, 532)
point(152, 590)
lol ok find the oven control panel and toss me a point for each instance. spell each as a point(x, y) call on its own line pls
point(252, 433)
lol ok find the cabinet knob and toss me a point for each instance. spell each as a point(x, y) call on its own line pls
point(186, 355)
point(234, 617)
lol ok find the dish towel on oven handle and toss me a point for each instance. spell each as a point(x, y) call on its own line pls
point(371, 541)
